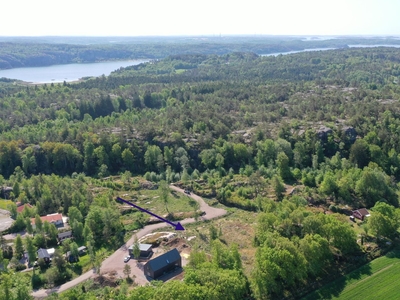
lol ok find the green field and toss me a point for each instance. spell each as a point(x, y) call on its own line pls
point(379, 279)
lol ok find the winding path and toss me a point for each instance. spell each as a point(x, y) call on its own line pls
point(115, 261)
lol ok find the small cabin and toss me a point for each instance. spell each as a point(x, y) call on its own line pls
point(163, 264)
point(145, 250)
point(361, 213)
point(6, 191)
point(82, 250)
point(42, 253)
point(71, 258)
point(64, 235)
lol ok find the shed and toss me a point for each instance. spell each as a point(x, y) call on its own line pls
point(71, 258)
point(6, 191)
point(82, 250)
point(64, 235)
point(361, 213)
point(162, 264)
point(145, 250)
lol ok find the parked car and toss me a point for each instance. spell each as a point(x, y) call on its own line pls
point(127, 258)
point(187, 192)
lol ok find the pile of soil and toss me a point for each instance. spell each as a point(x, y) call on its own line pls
point(108, 279)
point(148, 185)
point(178, 243)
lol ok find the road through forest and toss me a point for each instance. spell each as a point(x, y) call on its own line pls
point(114, 263)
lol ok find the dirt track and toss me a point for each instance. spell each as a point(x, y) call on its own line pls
point(5, 220)
point(114, 263)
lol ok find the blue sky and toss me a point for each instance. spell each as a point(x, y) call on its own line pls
point(206, 17)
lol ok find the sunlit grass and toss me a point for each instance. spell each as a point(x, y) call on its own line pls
point(375, 280)
point(4, 203)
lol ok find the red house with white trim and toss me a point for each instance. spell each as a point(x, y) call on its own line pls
point(55, 219)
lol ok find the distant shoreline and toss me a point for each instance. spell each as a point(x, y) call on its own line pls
point(70, 73)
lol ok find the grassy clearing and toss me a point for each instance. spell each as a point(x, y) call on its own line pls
point(178, 204)
point(4, 203)
point(151, 200)
point(378, 279)
point(236, 228)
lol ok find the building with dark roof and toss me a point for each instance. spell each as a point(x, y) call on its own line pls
point(6, 191)
point(145, 250)
point(42, 253)
point(361, 213)
point(64, 235)
point(163, 264)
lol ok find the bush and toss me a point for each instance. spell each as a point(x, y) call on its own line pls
point(297, 173)
point(20, 267)
point(333, 208)
point(36, 281)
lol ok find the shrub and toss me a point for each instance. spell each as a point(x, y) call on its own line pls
point(20, 267)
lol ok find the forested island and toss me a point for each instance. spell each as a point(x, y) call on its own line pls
point(290, 145)
point(17, 52)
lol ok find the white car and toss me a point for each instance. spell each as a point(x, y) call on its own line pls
point(127, 258)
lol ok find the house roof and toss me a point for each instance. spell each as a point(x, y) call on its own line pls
point(164, 260)
point(143, 247)
point(49, 218)
point(64, 234)
point(81, 248)
point(42, 253)
point(362, 211)
point(21, 208)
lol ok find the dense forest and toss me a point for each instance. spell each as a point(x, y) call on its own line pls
point(45, 51)
point(296, 140)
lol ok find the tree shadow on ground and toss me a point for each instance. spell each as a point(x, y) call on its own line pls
point(393, 254)
point(77, 269)
point(175, 194)
point(335, 288)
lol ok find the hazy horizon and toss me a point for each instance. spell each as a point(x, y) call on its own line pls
point(216, 35)
point(206, 18)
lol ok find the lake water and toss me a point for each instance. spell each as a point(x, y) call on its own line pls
point(297, 51)
point(372, 46)
point(324, 49)
point(68, 72)
point(73, 72)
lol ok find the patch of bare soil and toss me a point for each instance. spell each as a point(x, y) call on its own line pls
point(5, 220)
point(108, 279)
point(156, 238)
point(178, 243)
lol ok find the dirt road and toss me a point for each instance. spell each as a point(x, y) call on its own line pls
point(114, 263)
point(5, 220)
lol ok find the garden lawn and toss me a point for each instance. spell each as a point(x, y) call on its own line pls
point(378, 279)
